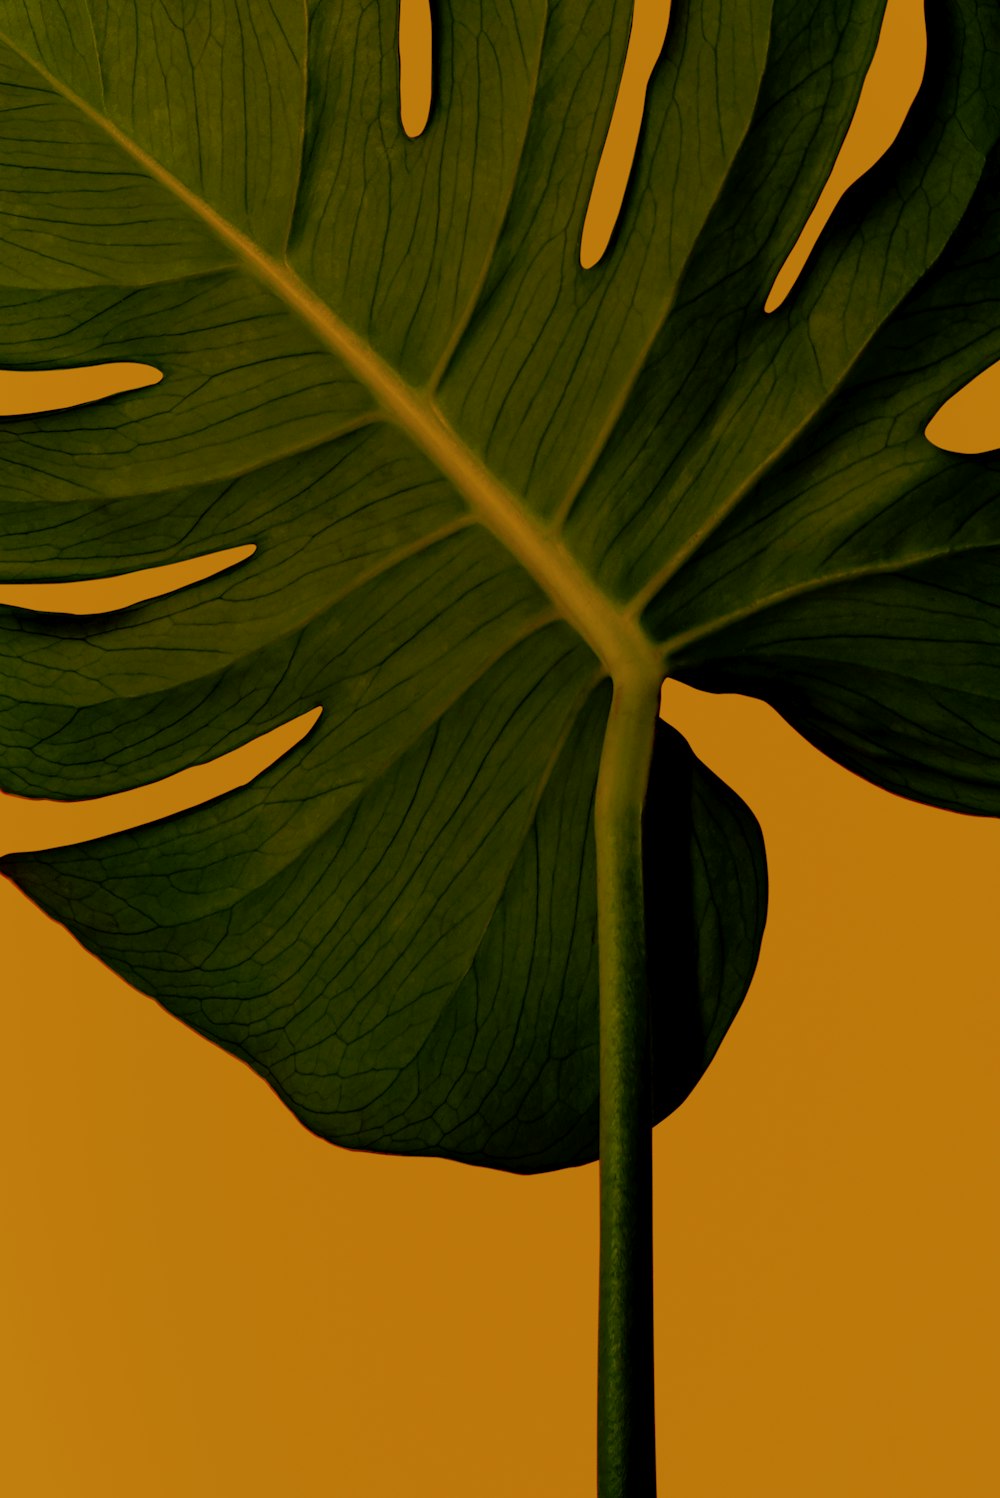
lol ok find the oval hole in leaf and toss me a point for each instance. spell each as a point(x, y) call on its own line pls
point(105, 595)
point(646, 38)
point(416, 64)
point(30, 826)
point(969, 421)
point(890, 87)
point(26, 392)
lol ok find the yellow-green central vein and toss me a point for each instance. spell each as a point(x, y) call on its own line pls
point(617, 639)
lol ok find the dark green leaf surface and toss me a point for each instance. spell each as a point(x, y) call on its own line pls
point(480, 482)
point(463, 963)
point(706, 900)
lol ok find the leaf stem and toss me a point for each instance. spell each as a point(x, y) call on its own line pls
point(626, 1441)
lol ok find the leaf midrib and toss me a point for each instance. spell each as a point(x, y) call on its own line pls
point(614, 634)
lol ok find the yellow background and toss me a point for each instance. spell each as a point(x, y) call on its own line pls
point(199, 1298)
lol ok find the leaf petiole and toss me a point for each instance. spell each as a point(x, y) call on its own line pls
point(626, 1447)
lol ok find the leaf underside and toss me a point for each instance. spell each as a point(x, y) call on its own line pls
point(395, 924)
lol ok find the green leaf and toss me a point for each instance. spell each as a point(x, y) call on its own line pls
point(483, 488)
point(706, 899)
point(505, 1072)
point(396, 925)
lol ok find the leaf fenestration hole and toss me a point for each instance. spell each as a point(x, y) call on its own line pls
point(27, 392)
point(969, 421)
point(105, 595)
point(416, 64)
point(891, 84)
point(30, 826)
point(650, 21)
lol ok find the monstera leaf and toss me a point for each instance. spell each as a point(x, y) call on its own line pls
point(475, 504)
point(397, 924)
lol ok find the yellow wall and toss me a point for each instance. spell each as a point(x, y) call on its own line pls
point(198, 1298)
